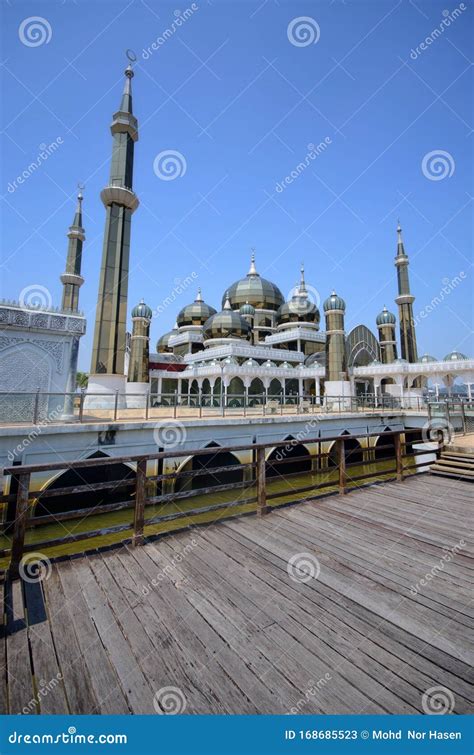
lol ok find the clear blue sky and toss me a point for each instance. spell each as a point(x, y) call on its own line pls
point(231, 93)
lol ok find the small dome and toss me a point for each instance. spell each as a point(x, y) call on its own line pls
point(229, 360)
point(334, 302)
point(162, 344)
point(195, 313)
point(427, 358)
point(400, 361)
point(226, 324)
point(247, 309)
point(142, 310)
point(254, 290)
point(298, 309)
point(385, 318)
point(286, 366)
point(251, 363)
point(269, 363)
point(374, 362)
point(454, 356)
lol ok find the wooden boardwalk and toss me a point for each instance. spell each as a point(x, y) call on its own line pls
point(218, 615)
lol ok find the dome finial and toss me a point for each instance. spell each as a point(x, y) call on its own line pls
point(302, 284)
point(199, 295)
point(252, 268)
point(227, 301)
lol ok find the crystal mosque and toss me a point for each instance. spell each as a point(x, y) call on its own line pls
point(255, 346)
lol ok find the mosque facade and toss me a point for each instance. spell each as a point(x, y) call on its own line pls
point(255, 346)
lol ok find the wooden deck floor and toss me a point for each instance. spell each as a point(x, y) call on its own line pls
point(214, 615)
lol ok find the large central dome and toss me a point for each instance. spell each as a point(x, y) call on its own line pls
point(255, 290)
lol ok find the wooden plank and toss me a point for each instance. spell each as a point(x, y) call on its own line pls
point(72, 664)
point(107, 690)
point(134, 684)
point(140, 500)
point(21, 692)
point(19, 527)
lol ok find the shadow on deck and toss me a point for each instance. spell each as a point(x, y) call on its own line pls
point(351, 604)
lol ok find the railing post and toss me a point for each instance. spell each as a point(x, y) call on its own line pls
point(463, 417)
point(116, 405)
point(147, 405)
point(19, 527)
point(262, 507)
point(175, 403)
point(341, 464)
point(81, 405)
point(140, 500)
point(398, 456)
point(36, 408)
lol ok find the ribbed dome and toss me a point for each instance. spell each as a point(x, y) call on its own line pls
point(454, 356)
point(428, 358)
point(254, 290)
point(162, 343)
point(142, 310)
point(247, 309)
point(385, 318)
point(334, 302)
point(298, 309)
point(226, 324)
point(195, 313)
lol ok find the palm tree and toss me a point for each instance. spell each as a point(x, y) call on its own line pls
point(82, 379)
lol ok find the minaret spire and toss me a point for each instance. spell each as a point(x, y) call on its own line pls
point(120, 201)
point(252, 268)
point(72, 279)
point(302, 284)
point(405, 301)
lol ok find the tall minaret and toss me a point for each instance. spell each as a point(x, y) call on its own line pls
point(72, 279)
point(405, 304)
point(138, 369)
point(108, 353)
point(336, 364)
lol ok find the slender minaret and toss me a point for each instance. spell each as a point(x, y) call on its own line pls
point(108, 353)
point(336, 364)
point(388, 345)
point(405, 304)
point(138, 371)
point(72, 279)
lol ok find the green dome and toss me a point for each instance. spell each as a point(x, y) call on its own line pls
point(247, 309)
point(195, 313)
point(454, 356)
point(385, 318)
point(334, 302)
point(142, 310)
point(226, 324)
point(427, 358)
point(254, 290)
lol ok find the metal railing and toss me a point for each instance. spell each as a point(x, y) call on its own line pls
point(40, 408)
point(149, 485)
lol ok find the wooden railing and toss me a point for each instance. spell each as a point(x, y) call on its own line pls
point(25, 498)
